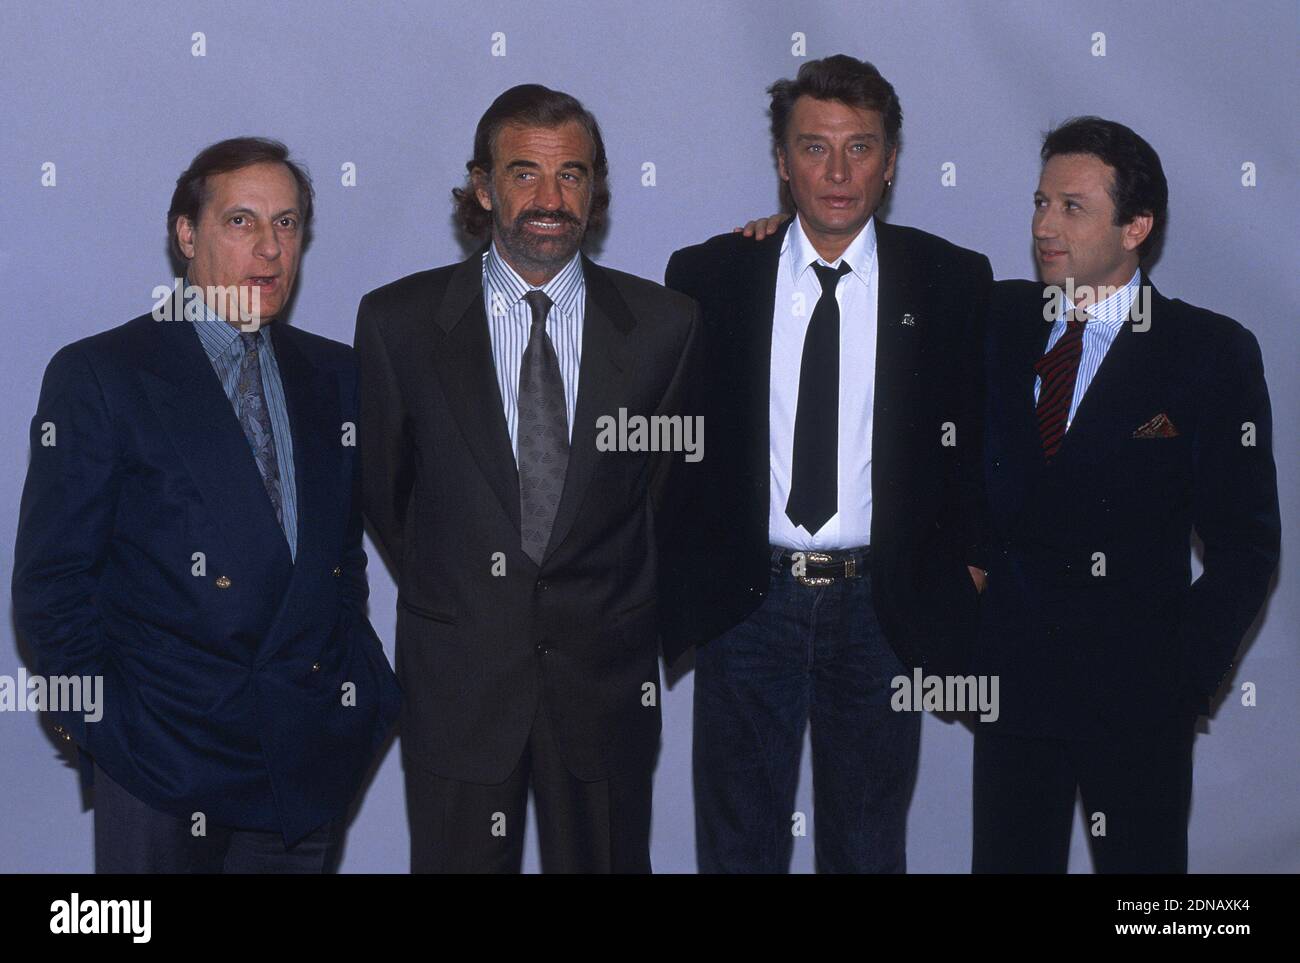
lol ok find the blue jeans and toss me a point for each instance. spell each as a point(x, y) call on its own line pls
point(807, 654)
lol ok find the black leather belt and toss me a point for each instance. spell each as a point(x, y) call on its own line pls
point(815, 569)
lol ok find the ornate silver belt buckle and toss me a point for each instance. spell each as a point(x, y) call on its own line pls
point(814, 581)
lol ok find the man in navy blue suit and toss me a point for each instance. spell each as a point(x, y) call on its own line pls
point(1118, 421)
point(190, 534)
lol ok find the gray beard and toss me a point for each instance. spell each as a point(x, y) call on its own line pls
point(532, 253)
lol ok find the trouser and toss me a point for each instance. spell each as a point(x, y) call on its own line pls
point(1136, 792)
point(808, 654)
point(133, 837)
point(582, 827)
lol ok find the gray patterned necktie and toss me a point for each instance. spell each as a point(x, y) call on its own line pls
point(256, 421)
point(543, 433)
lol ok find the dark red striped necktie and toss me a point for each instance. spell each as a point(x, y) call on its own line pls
point(1059, 368)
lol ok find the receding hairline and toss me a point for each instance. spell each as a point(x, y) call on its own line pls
point(205, 189)
point(523, 125)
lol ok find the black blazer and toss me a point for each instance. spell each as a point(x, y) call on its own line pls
point(1079, 652)
point(927, 499)
point(223, 683)
point(477, 650)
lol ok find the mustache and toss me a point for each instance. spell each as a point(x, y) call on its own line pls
point(537, 214)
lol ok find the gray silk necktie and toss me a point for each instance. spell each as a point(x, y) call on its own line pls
point(256, 422)
point(543, 433)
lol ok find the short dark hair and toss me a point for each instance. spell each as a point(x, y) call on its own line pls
point(233, 154)
point(1139, 183)
point(529, 105)
point(839, 77)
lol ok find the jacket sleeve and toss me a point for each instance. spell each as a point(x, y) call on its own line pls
point(681, 398)
point(387, 474)
point(356, 588)
point(65, 524)
point(1235, 513)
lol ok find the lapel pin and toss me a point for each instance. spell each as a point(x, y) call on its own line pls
point(909, 321)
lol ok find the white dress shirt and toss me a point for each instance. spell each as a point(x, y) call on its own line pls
point(1105, 319)
point(797, 293)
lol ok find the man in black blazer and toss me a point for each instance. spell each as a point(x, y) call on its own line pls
point(1118, 422)
point(830, 540)
point(190, 534)
point(520, 528)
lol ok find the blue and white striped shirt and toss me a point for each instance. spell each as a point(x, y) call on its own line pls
point(225, 350)
point(510, 320)
point(1105, 319)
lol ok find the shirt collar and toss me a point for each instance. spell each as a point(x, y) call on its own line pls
point(801, 255)
point(1113, 311)
point(215, 334)
point(566, 289)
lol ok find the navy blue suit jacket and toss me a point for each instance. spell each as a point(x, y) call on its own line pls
point(226, 676)
point(1083, 649)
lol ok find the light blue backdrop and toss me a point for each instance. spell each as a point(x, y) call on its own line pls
point(112, 95)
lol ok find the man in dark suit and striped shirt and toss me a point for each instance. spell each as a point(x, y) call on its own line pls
point(1118, 422)
point(523, 549)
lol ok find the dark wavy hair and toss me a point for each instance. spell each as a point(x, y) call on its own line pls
point(838, 77)
point(843, 78)
point(220, 158)
point(1139, 183)
point(529, 105)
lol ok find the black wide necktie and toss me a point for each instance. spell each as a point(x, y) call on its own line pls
point(814, 477)
point(543, 433)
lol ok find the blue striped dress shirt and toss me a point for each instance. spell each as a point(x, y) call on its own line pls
point(1105, 319)
point(510, 320)
point(225, 350)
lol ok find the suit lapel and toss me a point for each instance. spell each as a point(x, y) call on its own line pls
point(322, 484)
point(1112, 399)
point(605, 359)
point(203, 428)
point(312, 398)
point(1022, 418)
point(753, 336)
point(901, 319)
point(467, 373)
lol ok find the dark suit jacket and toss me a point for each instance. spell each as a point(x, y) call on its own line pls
point(222, 690)
point(927, 500)
point(1080, 653)
point(476, 651)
